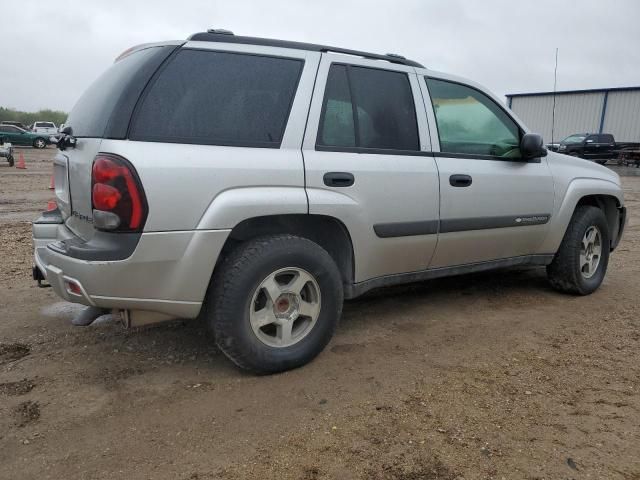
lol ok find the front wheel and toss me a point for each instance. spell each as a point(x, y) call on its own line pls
point(11, 160)
point(39, 143)
point(581, 262)
point(274, 303)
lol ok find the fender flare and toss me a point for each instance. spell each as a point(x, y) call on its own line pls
point(577, 189)
point(230, 207)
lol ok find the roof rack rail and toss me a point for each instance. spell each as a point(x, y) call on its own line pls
point(226, 36)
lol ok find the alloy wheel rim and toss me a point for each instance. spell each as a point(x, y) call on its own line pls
point(285, 307)
point(590, 251)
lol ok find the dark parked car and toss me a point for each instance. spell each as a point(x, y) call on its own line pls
point(18, 136)
point(599, 147)
point(15, 124)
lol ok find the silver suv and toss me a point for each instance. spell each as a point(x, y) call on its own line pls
point(257, 183)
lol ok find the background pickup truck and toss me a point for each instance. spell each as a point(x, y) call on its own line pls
point(599, 147)
point(47, 128)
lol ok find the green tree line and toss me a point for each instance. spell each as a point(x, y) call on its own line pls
point(28, 118)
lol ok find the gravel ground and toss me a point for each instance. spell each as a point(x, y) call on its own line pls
point(485, 376)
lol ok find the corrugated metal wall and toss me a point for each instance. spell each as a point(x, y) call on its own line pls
point(622, 117)
point(582, 112)
point(575, 113)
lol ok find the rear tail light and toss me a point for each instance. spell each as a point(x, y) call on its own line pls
point(117, 196)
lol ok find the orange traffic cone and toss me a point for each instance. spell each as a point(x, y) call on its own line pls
point(52, 185)
point(51, 205)
point(21, 165)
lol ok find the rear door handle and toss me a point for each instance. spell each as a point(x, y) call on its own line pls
point(338, 179)
point(460, 180)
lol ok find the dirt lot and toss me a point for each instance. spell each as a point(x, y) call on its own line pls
point(483, 376)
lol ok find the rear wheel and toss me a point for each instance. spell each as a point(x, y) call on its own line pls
point(581, 261)
point(274, 303)
point(39, 143)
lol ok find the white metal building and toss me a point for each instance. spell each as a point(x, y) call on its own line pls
point(606, 110)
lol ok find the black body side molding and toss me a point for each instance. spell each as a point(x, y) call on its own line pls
point(406, 229)
point(431, 227)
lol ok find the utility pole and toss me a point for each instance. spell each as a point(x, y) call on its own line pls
point(555, 84)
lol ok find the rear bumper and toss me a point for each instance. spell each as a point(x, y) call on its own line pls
point(166, 272)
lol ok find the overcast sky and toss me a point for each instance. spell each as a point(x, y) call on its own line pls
point(52, 50)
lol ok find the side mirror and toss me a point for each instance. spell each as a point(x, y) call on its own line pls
point(532, 147)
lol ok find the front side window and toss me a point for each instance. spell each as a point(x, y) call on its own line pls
point(469, 122)
point(217, 98)
point(368, 108)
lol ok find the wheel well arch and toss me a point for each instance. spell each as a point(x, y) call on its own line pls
point(610, 205)
point(328, 232)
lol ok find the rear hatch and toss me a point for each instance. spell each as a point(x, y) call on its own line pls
point(103, 111)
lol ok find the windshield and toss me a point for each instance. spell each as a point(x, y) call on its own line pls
point(574, 139)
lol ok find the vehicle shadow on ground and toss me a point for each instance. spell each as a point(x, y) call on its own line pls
point(188, 343)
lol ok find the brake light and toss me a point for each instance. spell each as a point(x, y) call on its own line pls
point(118, 198)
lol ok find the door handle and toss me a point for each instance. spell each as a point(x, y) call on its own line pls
point(460, 180)
point(338, 179)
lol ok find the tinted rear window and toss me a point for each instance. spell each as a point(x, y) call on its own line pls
point(92, 112)
point(216, 98)
point(368, 108)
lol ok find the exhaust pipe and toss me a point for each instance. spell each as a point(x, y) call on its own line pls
point(139, 318)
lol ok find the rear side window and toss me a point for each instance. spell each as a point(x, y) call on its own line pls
point(469, 122)
point(368, 108)
point(606, 138)
point(216, 98)
point(91, 114)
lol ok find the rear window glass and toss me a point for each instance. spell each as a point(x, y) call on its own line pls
point(93, 110)
point(217, 98)
point(44, 125)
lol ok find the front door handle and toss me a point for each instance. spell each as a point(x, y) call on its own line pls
point(460, 180)
point(338, 179)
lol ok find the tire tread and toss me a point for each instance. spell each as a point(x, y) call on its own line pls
point(228, 279)
point(561, 273)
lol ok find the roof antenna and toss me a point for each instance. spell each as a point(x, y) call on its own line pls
point(555, 83)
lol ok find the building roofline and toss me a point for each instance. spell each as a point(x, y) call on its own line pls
point(568, 92)
point(215, 36)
